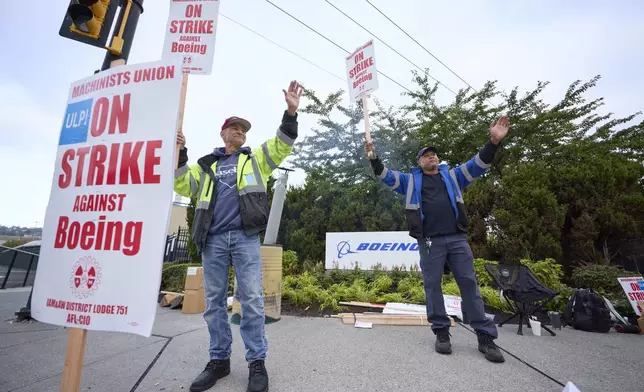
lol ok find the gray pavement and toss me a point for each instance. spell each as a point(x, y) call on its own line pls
point(317, 354)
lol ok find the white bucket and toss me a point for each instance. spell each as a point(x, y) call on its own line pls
point(536, 327)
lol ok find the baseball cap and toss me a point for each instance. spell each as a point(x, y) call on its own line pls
point(425, 149)
point(236, 120)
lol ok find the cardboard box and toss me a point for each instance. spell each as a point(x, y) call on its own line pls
point(194, 301)
point(194, 278)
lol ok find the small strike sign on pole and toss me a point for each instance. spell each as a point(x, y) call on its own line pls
point(363, 79)
point(191, 35)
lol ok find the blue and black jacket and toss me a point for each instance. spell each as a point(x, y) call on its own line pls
point(456, 179)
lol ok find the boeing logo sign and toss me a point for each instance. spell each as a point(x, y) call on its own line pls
point(344, 247)
point(366, 249)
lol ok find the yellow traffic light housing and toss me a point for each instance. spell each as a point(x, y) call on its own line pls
point(89, 21)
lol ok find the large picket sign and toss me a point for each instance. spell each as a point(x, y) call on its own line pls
point(104, 232)
point(191, 34)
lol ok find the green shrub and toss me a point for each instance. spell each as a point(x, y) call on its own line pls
point(391, 297)
point(359, 291)
point(381, 284)
point(602, 279)
point(314, 285)
point(290, 263)
point(15, 243)
point(451, 288)
point(173, 277)
point(491, 298)
point(548, 271)
point(482, 276)
point(417, 295)
point(561, 300)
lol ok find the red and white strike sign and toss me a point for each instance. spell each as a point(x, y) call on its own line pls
point(190, 34)
point(361, 71)
point(105, 225)
point(634, 290)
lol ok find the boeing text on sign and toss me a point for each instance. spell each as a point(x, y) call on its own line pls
point(105, 225)
point(361, 71)
point(369, 248)
point(191, 34)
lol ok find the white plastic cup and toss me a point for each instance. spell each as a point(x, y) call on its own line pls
point(536, 327)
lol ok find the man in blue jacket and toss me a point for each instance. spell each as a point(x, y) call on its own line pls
point(437, 219)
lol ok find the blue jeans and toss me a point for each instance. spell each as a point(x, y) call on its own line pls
point(244, 251)
point(454, 250)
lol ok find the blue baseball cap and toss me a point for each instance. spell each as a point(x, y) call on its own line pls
point(425, 149)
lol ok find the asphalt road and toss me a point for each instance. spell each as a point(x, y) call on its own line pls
point(318, 354)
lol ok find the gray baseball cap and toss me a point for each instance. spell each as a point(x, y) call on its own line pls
point(425, 149)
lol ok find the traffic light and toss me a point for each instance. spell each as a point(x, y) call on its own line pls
point(89, 21)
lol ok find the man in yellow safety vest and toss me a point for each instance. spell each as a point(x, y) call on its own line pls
point(229, 185)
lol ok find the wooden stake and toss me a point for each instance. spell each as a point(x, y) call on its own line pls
point(367, 127)
point(76, 339)
point(182, 106)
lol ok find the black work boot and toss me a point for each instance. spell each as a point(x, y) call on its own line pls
point(257, 377)
point(487, 347)
point(215, 369)
point(443, 344)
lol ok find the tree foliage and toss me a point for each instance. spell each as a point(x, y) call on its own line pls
point(567, 182)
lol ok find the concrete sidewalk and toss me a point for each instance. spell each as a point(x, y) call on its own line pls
point(317, 354)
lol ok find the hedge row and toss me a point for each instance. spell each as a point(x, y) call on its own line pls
point(306, 284)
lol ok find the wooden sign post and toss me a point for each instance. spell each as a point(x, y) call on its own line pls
point(73, 369)
point(367, 126)
point(182, 107)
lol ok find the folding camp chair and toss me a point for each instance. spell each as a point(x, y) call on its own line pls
point(522, 290)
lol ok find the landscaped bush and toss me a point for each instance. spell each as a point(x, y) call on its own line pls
point(309, 284)
point(173, 277)
point(290, 264)
point(316, 286)
point(601, 278)
point(15, 243)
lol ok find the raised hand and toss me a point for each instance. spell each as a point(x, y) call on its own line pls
point(292, 97)
point(499, 129)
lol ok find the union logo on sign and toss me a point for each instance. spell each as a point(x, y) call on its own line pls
point(86, 277)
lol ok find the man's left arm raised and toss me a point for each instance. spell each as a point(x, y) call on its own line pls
point(481, 162)
point(273, 151)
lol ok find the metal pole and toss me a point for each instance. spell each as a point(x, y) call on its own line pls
point(128, 34)
point(13, 260)
point(31, 261)
point(274, 217)
point(24, 313)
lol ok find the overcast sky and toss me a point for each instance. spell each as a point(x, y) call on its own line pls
point(516, 43)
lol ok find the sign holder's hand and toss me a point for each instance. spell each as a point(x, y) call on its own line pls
point(292, 97)
point(367, 127)
point(181, 140)
point(369, 149)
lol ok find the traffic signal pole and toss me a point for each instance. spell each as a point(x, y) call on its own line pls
point(126, 38)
